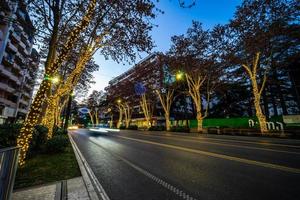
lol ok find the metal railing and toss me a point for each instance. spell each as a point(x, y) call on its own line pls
point(8, 167)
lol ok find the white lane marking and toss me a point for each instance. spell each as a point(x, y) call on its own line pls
point(156, 179)
point(216, 155)
point(222, 144)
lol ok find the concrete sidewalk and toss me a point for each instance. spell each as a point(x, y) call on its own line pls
point(72, 189)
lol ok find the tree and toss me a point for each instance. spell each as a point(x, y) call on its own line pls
point(121, 30)
point(257, 91)
point(127, 113)
point(166, 99)
point(271, 28)
point(147, 108)
point(120, 108)
point(94, 104)
point(190, 54)
point(52, 63)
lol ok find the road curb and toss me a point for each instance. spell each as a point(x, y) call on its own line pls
point(94, 188)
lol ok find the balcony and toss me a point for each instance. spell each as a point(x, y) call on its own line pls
point(23, 111)
point(26, 94)
point(9, 74)
point(26, 103)
point(6, 87)
point(22, 44)
point(16, 36)
point(12, 47)
point(9, 58)
point(7, 102)
point(21, 58)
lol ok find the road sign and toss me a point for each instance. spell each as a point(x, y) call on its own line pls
point(84, 110)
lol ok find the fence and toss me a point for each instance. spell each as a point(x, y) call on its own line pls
point(8, 167)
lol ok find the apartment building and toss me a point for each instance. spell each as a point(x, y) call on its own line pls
point(18, 61)
point(149, 72)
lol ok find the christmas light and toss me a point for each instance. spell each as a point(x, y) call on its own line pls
point(194, 88)
point(147, 110)
point(166, 101)
point(31, 120)
point(127, 113)
point(252, 73)
point(120, 113)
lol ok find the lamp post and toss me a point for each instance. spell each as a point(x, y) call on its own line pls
point(179, 75)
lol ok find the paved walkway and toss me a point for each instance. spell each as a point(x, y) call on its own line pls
point(72, 189)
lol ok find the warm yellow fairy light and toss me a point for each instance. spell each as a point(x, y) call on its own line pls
point(252, 73)
point(146, 107)
point(166, 101)
point(55, 79)
point(26, 131)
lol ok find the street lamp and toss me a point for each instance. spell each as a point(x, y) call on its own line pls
point(119, 101)
point(55, 79)
point(179, 75)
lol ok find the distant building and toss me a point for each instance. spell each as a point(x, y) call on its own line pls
point(18, 61)
point(148, 72)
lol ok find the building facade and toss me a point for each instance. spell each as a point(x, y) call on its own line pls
point(19, 61)
point(150, 73)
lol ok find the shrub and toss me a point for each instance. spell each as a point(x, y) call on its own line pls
point(122, 127)
point(9, 134)
point(57, 144)
point(39, 139)
point(59, 131)
point(180, 129)
point(157, 128)
point(133, 127)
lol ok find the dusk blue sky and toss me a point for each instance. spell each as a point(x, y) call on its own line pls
point(174, 21)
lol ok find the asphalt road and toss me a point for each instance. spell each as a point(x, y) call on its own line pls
point(139, 165)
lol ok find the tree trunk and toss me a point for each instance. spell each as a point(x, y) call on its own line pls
point(199, 118)
point(34, 113)
point(259, 114)
point(120, 118)
point(111, 121)
point(96, 116)
point(127, 123)
point(68, 112)
point(199, 123)
point(50, 115)
point(168, 123)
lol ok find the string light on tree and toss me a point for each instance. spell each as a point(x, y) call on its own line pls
point(34, 113)
point(252, 73)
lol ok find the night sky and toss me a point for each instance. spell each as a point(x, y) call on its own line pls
point(174, 21)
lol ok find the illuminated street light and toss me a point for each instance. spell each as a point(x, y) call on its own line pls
point(179, 75)
point(55, 79)
point(119, 101)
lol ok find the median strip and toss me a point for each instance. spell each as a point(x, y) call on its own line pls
point(222, 156)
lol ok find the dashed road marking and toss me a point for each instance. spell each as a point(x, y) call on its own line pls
point(216, 155)
point(156, 179)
